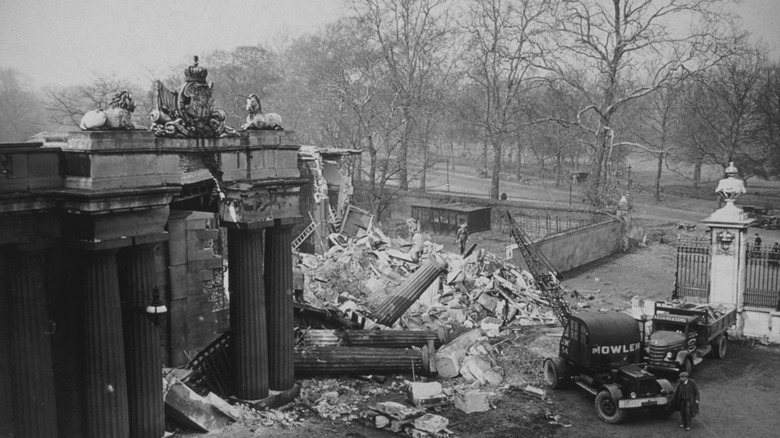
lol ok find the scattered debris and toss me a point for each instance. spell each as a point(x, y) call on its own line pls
point(472, 401)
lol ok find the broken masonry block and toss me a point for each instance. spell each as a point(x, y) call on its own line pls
point(472, 401)
point(189, 409)
point(234, 412)
point(449, 357)
point(431, 423)
point(417, 433)
point(380, 421)
point(425, 395)
point(397, 410)
point(532, 390)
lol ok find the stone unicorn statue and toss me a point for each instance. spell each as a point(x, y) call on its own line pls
point(256, 119)
point(117, 116)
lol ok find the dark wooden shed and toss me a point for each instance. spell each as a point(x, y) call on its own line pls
point(445, 218)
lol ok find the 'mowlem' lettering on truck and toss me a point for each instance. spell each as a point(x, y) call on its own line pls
point(615, 349)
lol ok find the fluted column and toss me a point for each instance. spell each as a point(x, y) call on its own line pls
point(106, 391)
point(247, 313)
point(279, 306)
point(32, 375)
point(142, 351)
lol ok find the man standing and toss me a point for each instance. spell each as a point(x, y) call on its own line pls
point(462, 236)
point(757, 243)
point(686, 399)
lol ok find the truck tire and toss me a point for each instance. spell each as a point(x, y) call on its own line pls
point(556, 373)
point(719, 349)
point(607, 408)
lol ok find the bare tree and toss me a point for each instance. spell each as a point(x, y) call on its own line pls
point(505, 40)
point(722, 109)
point(411, 36)
point(19, 108)
point(603, 45)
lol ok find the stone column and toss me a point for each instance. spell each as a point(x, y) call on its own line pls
point(142, 347)
point(32, 375)
point(106, 382)
point(728, 242)
point(279, 306)
point(177, 271)
point(247, 312)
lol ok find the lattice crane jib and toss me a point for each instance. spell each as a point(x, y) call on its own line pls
point(545, 274)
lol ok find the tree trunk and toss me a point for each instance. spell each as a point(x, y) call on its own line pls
point(403, 160)
point(494, 183)
point(697, 173)
point(658, 177)
point(558, 168)
point(595, 189)
point(519, 166)
point(426, 158)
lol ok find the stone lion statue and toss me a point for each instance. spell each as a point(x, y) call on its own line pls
point(117, 116)
point(256, 119)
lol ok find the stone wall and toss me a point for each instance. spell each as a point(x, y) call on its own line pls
point(199, 300)
point(580, 246)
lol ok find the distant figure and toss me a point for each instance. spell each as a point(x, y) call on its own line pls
point(503, 196)
point(757, 243)
point(299, 280)
point(462, 236)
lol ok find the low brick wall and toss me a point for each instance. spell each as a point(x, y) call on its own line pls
point(574, 248)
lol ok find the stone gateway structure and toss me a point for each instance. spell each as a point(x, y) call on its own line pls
point(93, 224)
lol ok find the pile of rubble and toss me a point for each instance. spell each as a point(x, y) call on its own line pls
point(452, 317)
point(479, 290)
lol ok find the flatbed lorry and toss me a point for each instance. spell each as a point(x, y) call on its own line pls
point(680, 338)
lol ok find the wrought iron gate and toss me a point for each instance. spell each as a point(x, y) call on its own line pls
point(692, 279)
point(762, 285)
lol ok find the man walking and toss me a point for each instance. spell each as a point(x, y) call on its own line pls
point(462, 236)
point(686, 399)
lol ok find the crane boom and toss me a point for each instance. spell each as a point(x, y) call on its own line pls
point(545, 274)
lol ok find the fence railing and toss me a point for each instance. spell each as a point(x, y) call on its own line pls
point(693, 269)
point(762, 286)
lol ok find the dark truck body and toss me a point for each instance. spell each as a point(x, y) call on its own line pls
point(682, 337)
point(602, 353)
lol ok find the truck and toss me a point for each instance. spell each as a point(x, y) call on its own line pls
point(680, 337)
point(602, 353)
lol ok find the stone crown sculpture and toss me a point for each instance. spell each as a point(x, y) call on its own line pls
point(117, 116)
point(188, 112)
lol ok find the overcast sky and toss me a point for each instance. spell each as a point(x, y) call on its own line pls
point(65, 42)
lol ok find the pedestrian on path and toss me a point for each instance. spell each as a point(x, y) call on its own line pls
point(686, 399)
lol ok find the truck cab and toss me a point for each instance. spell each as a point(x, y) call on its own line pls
point(680, 338)
point(602, 353)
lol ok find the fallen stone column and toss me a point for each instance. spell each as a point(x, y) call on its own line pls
point(349, 360)
point(373, 338)
point(395, 306)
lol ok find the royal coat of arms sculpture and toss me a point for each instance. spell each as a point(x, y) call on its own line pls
point(188, 112)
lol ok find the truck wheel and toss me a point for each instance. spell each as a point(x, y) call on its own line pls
point(719, 350)
point(607, 408)
point(556, 373)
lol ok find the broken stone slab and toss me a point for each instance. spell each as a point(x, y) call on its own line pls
point(448, 359)
point(472, 401)
point(399, 425)
point(189, 409)
point(234, 412)
point(431, 423)
point(473, 368)
point(493, 376)
point(491, 326)
point(489, 302)
point(417, 433)
point(380, 421)
point(425, 394)
point(532, 390)
point(397, 410)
